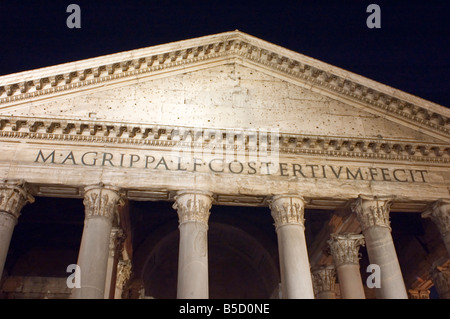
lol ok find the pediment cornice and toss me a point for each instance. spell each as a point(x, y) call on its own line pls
point(221, 48)
point(168, 137)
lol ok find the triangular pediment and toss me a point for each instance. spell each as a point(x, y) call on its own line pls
point(224, 96)
point(228, 80)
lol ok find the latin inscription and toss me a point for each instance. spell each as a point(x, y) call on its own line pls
point(220, 165)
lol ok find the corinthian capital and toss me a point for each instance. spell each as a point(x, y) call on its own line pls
point(13, 196)
point(372, 211)
point(439, 213)
point(288, 210)
point(345, 248)
point(101, 201)
point(123, 273)
point(193, 206)
point(324, 278)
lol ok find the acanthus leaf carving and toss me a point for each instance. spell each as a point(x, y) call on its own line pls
point(372, 211)
point(323, 278)
point(14, 195)
point(193, 206)
point(288, 210)
point(102, 201)
point(124, 271)
point(345, 248)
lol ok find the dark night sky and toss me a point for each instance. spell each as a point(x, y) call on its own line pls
point(410, 52)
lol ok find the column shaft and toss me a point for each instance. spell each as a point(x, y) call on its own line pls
point(7, 224)
point(193, 212)
point(93, 258)
point(288, 213)
point(350, 282)
point(100, 207)
point(345, 251)
point(373, 215)
point(294, 265)
point(381, 251)
point(13, 196)
point(110, 274)
point(193, 262)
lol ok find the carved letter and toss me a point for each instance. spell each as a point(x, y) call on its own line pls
point(69, 157)
point(239, 170)
point(52, 155)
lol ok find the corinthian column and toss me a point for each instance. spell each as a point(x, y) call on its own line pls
point(193, 214)
point(124, 271)
point(324, 280)
point(101, 204)
point(373, 215)
point(439, 213)
point(288, 214)
point(115, 246)
point(13, 196)
point(345, 251)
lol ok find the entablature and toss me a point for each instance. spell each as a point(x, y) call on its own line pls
point(84, 132)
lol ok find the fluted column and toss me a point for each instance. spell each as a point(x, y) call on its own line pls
point(324, 280)
point(288, 214)
point(373, 215)
point(193, 208)
point(115, 246)
point(13, 196)
point(101, 202)
point(439, 213)
point(345, 251)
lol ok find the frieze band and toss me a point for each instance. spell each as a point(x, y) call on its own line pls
point(221, 165)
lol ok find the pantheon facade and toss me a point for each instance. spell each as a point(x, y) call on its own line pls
point(220, 167)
